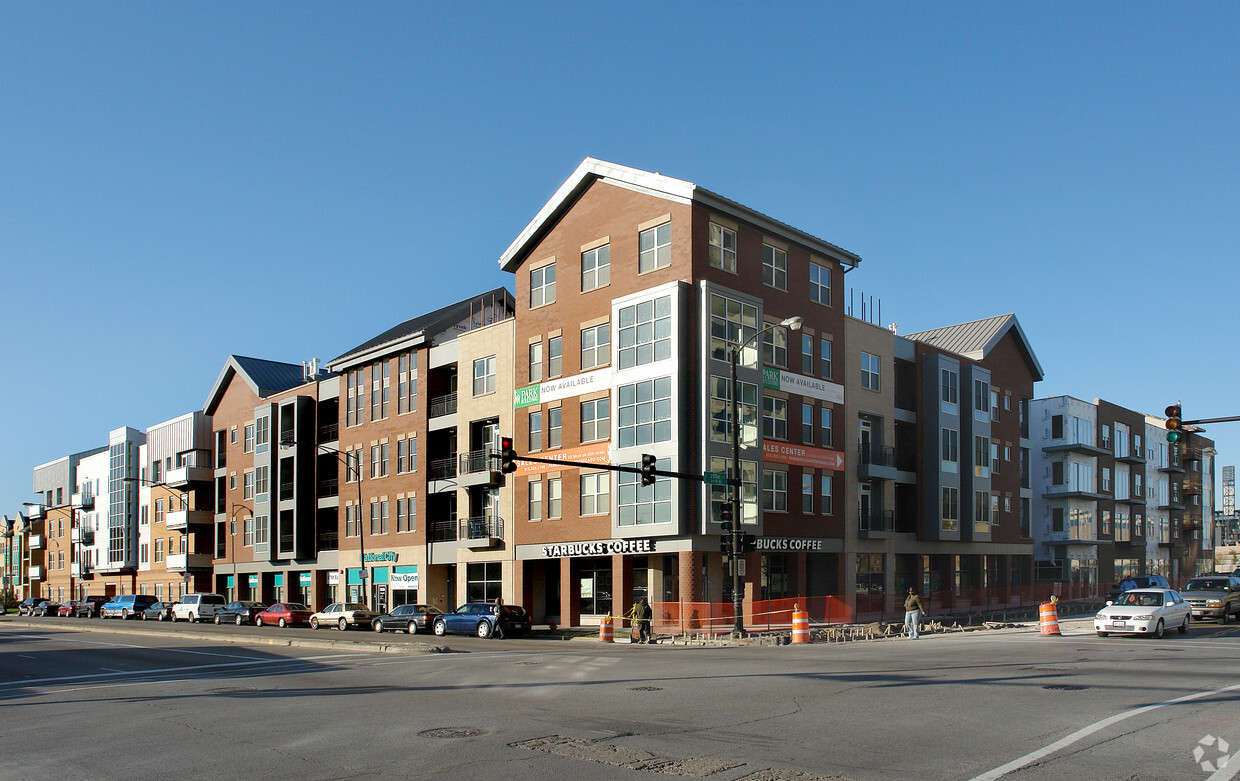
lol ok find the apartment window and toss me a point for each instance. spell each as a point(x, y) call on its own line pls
point(949, 387)
point(355, 398)
point(536, 430)
point(595, 346)
point(484, 375)
point(994, 404)
point(807, 424)
point(824, 420)
point(553, 497)
point(247, 486)
point(536, 362)
point(379, 460)
point(994, 458)
point(595, 419)
point(775, 347)
point(869, 371)
point(719, 494)
point(981, 397)
point(379, 517)
point(775, 491)
point(981, 456)
point(819, 284)
point(353, 465)
point(721, 410)
point(249, 438)
point(774, 418)
point(159, 550)
point(645, 332)
point(261, 481)
point(732, 323)
point(774, 267)
point(807, 354)
point(262, 428)
point(407, 383)
point(645, 412)
point(402, 457)
point(535, 501)
point(824, 495)
point(262, 525)
point(232, 435)
point(555, 361)
point(722, 248)
point(247, 533)
point(554, 428)
point(352, 521)
point(1106, 479)
point(595, 493)
point(144, 516)
point(159, 511)
point(639, 505)
point(542, 286)
point(143, 554)
point(951, 508)
point(807, 492)
point(407, 514)
point(654, 248)
point(950, 458)
point(596, 268)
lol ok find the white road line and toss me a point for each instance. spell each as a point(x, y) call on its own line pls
point(1085, 732)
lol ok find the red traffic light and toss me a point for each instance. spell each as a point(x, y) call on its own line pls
point(1173, 411)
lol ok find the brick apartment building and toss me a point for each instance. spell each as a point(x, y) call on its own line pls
point(1112, 497)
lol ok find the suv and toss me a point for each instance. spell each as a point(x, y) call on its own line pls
point(196, 607)
point(126, 606)
point(1142, 581)
point(343, 615)
point(27, 606)
point(90, 607)
point(1213, 596)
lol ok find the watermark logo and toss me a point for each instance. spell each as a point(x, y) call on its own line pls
point(1211, 753)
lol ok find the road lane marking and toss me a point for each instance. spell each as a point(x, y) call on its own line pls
point(1085, 732)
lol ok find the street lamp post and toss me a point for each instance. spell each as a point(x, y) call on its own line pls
point(738, 619)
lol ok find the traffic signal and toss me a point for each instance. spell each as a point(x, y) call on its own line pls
point(648, 462)
point(749, 543)
point(1174, 423)
point(507, 456)
point(725, 545)
point(725, 517)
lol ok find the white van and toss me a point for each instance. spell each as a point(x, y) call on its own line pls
point(197, 607)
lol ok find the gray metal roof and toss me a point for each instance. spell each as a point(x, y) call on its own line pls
point(975, 339)
point(483, 309)
point(264, 377)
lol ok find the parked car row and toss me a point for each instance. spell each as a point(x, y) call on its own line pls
point(484, 619)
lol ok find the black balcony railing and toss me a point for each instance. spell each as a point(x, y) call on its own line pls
point(328, 540)
point(329, 432)
point(286, 491)
point(482, 527)
point(329, 487)
point(286, 543)
point(442, 469)
point(877, 455)
point(479, 461)
point(877, 521)
point(443, 405)
point(441, 531)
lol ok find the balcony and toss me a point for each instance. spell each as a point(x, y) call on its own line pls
point(484, 531)
point(286, 491)
point(182, 519)
point(441, 531)
point(180, 562)
point(328, 541)
point(442, 405)
point(34, 511)
point(36, 542)
point(1135, 457)
point(82, 535)
point(36, 572)
point(79, 570)
point(1084, 448)
point(83, 501)
point(329, 487)
point(442, 469)
point(1072, 492)
point(329, 432)
point(876, 521)
point(479, 467)
point(877, 462)
point(186, 476)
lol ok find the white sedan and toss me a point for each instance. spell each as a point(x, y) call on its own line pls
point(343, 615)
point(1144, 611)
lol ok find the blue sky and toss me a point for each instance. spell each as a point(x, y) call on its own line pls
point(183, 181)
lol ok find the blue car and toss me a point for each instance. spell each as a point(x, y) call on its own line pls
point(485, 619)
point(126, 606)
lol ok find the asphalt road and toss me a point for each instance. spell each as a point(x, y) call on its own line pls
point(1007, 704)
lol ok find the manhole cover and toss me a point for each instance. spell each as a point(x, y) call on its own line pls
point(646, 689)
point(1065, 687)
point(453, 732)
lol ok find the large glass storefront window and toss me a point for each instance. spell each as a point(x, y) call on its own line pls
point(775, 576)
point(483, 581)
point(595, 583)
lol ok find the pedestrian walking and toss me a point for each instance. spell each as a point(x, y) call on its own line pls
point(912, 614)
point(644, 615)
